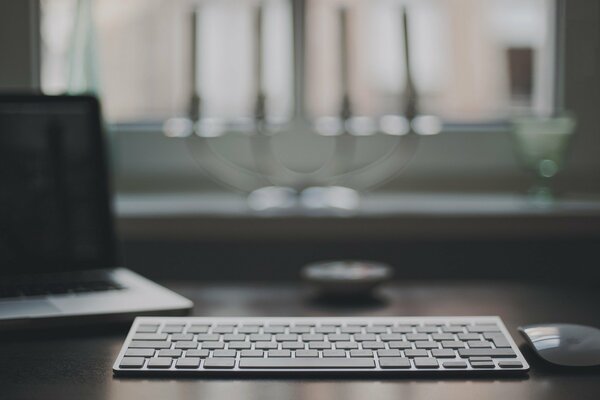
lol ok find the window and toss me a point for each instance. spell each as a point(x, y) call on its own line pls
point(471, 60)
point(474, 63)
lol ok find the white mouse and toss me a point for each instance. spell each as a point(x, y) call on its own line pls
point(564, 344)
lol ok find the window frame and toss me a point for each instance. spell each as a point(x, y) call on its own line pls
point(435, 168)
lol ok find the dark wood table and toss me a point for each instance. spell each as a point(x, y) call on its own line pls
point(76, 364)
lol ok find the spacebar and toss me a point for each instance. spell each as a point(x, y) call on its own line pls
point(308, 363)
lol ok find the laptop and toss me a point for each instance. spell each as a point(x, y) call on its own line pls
point(58, 256)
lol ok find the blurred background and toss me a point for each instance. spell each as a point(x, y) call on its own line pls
point(495, 77)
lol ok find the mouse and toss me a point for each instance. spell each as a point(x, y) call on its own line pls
point(568, 345)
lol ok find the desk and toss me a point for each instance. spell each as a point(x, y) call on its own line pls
point(59, 365)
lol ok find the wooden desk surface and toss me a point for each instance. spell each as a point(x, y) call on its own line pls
point(77, 364)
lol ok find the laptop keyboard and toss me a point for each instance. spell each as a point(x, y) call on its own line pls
point(240, 346)
point(56, 288)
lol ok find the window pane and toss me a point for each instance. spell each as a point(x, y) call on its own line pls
point(472, 60)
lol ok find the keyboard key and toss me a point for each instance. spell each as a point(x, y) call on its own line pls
point(265, 345)
point(307, 353)
point(373, 345)
point(170, 353)
point(468, 336)
point(208, 337)
point(139, 352)
point(325, 329)
point(202, 353)
point(300, 329)
point(274, 329)
point(339, 337)
point(351, 329)
point(364, 337)
point(402, 329)
point(231, 337)
point(260, 337)
point(132, 362)
point(497, 338)
point(160, 362)
point(427, 329)
point(426, 362)
point(173, 329)
point(394, 362)
point(442, 336)
point(213, 345)
point(481, 364)
point(279, 353)
point(150, 336)
point(415, 353)
point(286, 337)
point(181, 336)
point(454, 364)
point(453, 329)
point(376, 329)
point(482, 328)
point(361, 353)
point(508, 353)
point(426, 344)
point(443, 353)
point(417, 336)
point(188, 362)
point(453, 344)
point(479, 344)
point(248, 329)
point(147, 328)
point(346, 345)
point(224, 353)
point(510, 364)
point(389, 353)
point(186, 345)
point(223, 329)
point(307, 363)
point(319, 345)
point(401, 344)
point(313, 337)
point(292, 345)
point(149, 344)
point(219, 363)
point(480, 358)
point(239, 345)
point(198, 329)
point(252, 353)
point(386, 337)
point(334, 353)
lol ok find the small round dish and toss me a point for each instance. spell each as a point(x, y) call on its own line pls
point(346, 277)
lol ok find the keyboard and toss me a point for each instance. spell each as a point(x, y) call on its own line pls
point(351, 345)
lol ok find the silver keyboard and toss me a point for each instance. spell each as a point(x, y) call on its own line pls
point(240, 346)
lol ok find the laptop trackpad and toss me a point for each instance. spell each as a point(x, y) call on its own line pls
point(27, 308)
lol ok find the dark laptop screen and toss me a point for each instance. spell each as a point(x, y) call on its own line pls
point(54, 199)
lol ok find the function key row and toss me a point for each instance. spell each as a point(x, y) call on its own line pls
point(312, 328)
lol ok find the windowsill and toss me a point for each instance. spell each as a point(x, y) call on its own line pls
point(381, 216)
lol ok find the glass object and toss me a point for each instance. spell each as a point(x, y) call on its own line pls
point(541, 144)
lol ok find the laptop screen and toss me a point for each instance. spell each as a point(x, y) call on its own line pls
point(54, 198)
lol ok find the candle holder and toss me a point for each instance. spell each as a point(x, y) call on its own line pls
point(249, 154)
